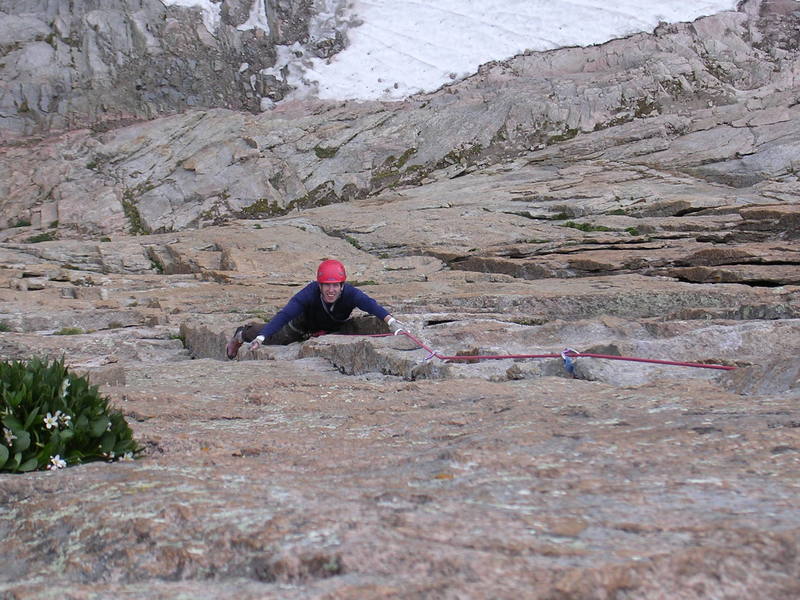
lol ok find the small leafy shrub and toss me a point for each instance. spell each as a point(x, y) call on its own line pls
point(69, 331)
point(323, 152)
point(50, 419)
point(157, 266)
point(586, 226)
point(352, 241)
point(47, 236)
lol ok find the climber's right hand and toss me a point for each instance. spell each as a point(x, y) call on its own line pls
point(256, 343)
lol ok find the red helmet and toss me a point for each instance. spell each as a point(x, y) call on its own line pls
point(331, 271)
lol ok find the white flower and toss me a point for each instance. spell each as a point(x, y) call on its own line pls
point(10, 437)
point(63, 419)
point(56, 462)
point(127, 456)
point(64, 387)
point(50, 421)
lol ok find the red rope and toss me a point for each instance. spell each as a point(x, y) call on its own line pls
point(571, 353)
point(657, 361)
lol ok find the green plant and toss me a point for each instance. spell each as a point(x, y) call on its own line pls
point(52, 418)
point(352, 241)
point(47, 236)
point(567, 134)
point(4, 326)
point(325, 152)
point(157, 266)
point(586, 226)
point(131, 211)
point(265, 207)
point(69, 331)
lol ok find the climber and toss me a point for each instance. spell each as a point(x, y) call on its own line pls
point(323, 306)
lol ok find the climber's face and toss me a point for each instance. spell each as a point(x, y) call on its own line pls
point(331, 291)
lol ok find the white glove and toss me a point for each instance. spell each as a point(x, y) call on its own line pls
point(256, 343)
point(396, 326)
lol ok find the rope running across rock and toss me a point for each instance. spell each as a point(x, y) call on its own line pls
point(568, 356)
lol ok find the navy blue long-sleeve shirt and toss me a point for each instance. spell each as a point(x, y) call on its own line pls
point(318, 314)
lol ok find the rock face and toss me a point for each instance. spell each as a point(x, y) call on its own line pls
point(101, 64)
point(636, 200)
point(716, 113)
